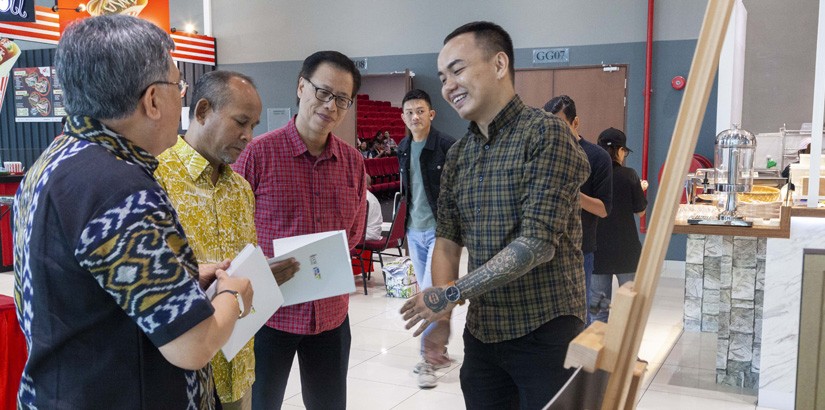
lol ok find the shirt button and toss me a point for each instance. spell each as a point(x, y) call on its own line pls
point(486, 147)
point(480, 179)
point(478, 210)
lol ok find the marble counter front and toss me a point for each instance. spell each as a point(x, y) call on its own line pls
point(780, 326)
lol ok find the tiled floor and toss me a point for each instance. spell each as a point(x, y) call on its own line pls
point(681, 374)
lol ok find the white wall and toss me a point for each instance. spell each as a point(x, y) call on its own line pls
point(281, 30)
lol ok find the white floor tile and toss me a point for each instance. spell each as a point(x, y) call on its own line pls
point(430, 399)
point(377, 340)
point(369, 395)
point(657, 400)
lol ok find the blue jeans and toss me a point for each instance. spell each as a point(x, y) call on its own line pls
point(421, 244)
point(522, 373)
point(604, 284)
point(323, 361)
point(588, 272)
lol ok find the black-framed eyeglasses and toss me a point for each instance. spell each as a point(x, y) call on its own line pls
point(325, 95)
point(182, 86)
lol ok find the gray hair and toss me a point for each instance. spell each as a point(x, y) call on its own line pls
point(105, 63)
point(214, 87)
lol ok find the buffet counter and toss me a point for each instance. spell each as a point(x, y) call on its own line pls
point(744, 284)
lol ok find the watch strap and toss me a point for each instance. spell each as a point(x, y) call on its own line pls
point(238, 299)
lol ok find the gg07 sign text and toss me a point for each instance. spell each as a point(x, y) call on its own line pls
point(551, 55)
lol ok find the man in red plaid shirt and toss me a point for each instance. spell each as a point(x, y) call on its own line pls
point(307, 180)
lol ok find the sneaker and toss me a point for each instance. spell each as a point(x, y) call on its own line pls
point(426, 376)
point(419, 365)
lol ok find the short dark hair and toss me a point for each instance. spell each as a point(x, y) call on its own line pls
point(214, 87)
point(491, 37)
point(337, 60)
point(564, 104)
point(417, 94)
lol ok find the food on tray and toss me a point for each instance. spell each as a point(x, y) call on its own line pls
point(759, 193)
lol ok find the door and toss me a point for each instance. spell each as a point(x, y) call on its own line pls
point(599, 93)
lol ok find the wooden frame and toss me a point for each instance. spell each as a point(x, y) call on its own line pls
point(615, 350)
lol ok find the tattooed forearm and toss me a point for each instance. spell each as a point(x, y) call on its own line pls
point(435, 299)
point(518, 258)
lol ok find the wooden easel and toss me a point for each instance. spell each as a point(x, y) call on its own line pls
point(613, 347)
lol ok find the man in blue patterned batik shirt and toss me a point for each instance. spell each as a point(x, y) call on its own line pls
point(108, 292)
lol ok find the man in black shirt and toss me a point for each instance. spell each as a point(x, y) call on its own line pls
point(596, 194)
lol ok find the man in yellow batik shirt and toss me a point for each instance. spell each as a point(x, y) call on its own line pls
point(215, 205)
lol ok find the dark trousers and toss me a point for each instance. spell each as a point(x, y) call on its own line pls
point(323, 360)
point(523, 373)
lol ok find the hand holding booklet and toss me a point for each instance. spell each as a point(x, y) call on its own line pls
point(252, 264)
point(325, 266)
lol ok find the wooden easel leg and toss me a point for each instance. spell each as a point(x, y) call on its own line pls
point(635, 383)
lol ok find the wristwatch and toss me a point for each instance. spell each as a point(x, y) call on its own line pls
point(453, 294)
point(238, 298)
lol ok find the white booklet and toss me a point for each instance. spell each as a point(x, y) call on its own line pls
point(325, 270)
point(251, 263)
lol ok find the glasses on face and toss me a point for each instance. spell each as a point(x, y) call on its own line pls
point(626, 152)
point(182, 86)
point(325, 95)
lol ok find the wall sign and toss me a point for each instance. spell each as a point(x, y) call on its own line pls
point(360, 63)
point(551, 55)
point(38, 96)
point(17, 10)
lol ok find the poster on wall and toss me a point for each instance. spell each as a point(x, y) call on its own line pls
point(17, 10)
point(156, 11)
point(9, 53)
point(38, 96)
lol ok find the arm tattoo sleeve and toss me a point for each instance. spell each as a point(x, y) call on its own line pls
point(515, 260)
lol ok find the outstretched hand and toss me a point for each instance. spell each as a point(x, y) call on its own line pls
point(426, 307)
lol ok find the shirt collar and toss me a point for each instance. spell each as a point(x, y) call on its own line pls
point(94, 131)
point(298, 148)
point(502, 120)
point(196, 165)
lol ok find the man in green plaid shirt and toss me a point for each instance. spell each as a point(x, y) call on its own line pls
point(509, 193)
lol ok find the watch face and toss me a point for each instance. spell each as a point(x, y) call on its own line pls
point(452, 293)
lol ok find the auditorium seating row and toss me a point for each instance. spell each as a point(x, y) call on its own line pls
point(386, 178)
point(374, 116)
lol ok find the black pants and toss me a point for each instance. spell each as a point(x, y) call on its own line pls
point(523, 373)
point(323, 361)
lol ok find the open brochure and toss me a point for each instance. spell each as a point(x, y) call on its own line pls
point(251, 263)
point(325, 270)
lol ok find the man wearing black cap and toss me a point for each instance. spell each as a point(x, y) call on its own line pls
point(595, 195)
